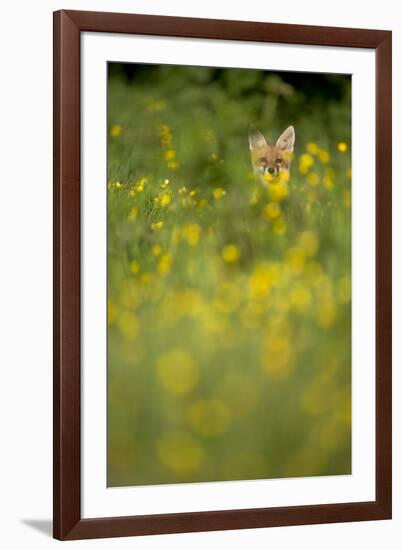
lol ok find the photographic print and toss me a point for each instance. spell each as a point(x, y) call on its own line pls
point(229, 274)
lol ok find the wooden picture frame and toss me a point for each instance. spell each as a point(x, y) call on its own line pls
point(68, 26)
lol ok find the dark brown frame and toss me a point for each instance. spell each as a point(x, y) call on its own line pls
point(68, 26)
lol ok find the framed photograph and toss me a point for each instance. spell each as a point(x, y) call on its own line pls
point(222, 275)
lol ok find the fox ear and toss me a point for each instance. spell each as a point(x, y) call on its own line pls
point(286, 140)
point(256, 139)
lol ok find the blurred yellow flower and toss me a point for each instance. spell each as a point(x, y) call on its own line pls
point(165, 264)
point(306, 161)
point(230, 253)
point(157, 225)
point(203, 203)
point(342, 147)
point(328, 182)
point(129, 325)
point(296, 258)
point(164, 199)
point(264, 277)
point(324, 156)
point(219, 193)
point(209, 417)
point(300, 298)
point(165, 183)
point(156, 249)
point(272, 210)
point(133, 214)
point(116, 130)
point(191, 233)
point(154, 106)
point(177, 371)
point(313, 179)
point(182, 190)
point(309, 242)
point(278, 190)
point(169, 154)
point(165, 135)
point(172, 164)
point(180, 452)
point(134, 266)
point(312, 148)
point(213, 156)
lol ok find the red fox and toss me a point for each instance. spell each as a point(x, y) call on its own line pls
point(272, 162)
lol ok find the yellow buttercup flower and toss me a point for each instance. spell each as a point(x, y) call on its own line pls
point(169, 154)
point(278, 190)
point(306, 161)
point(134, 266)
point(116, 130)
point(324, 156)
point(313, 179)
point(312, 148)
point(272, 210)
point(157, 225)
point(164, 199)
point(300, 298)
point(342, 147)
point(230, 253)
point(165, 264)
point(219, 193)
point(157, 249)
point(191, 233)
point(296, 258)
point(133, 214)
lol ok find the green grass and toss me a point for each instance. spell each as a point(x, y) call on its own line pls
point(229, 332)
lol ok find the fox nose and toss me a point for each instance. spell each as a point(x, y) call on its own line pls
point(271, 170)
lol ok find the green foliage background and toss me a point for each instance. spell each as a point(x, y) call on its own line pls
point(229, 337)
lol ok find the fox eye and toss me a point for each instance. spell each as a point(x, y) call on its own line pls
point(262, 159)
point(278, 161)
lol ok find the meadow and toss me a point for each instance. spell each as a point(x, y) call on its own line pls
point(229, 303)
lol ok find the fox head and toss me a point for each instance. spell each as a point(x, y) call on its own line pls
point(270, 159)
